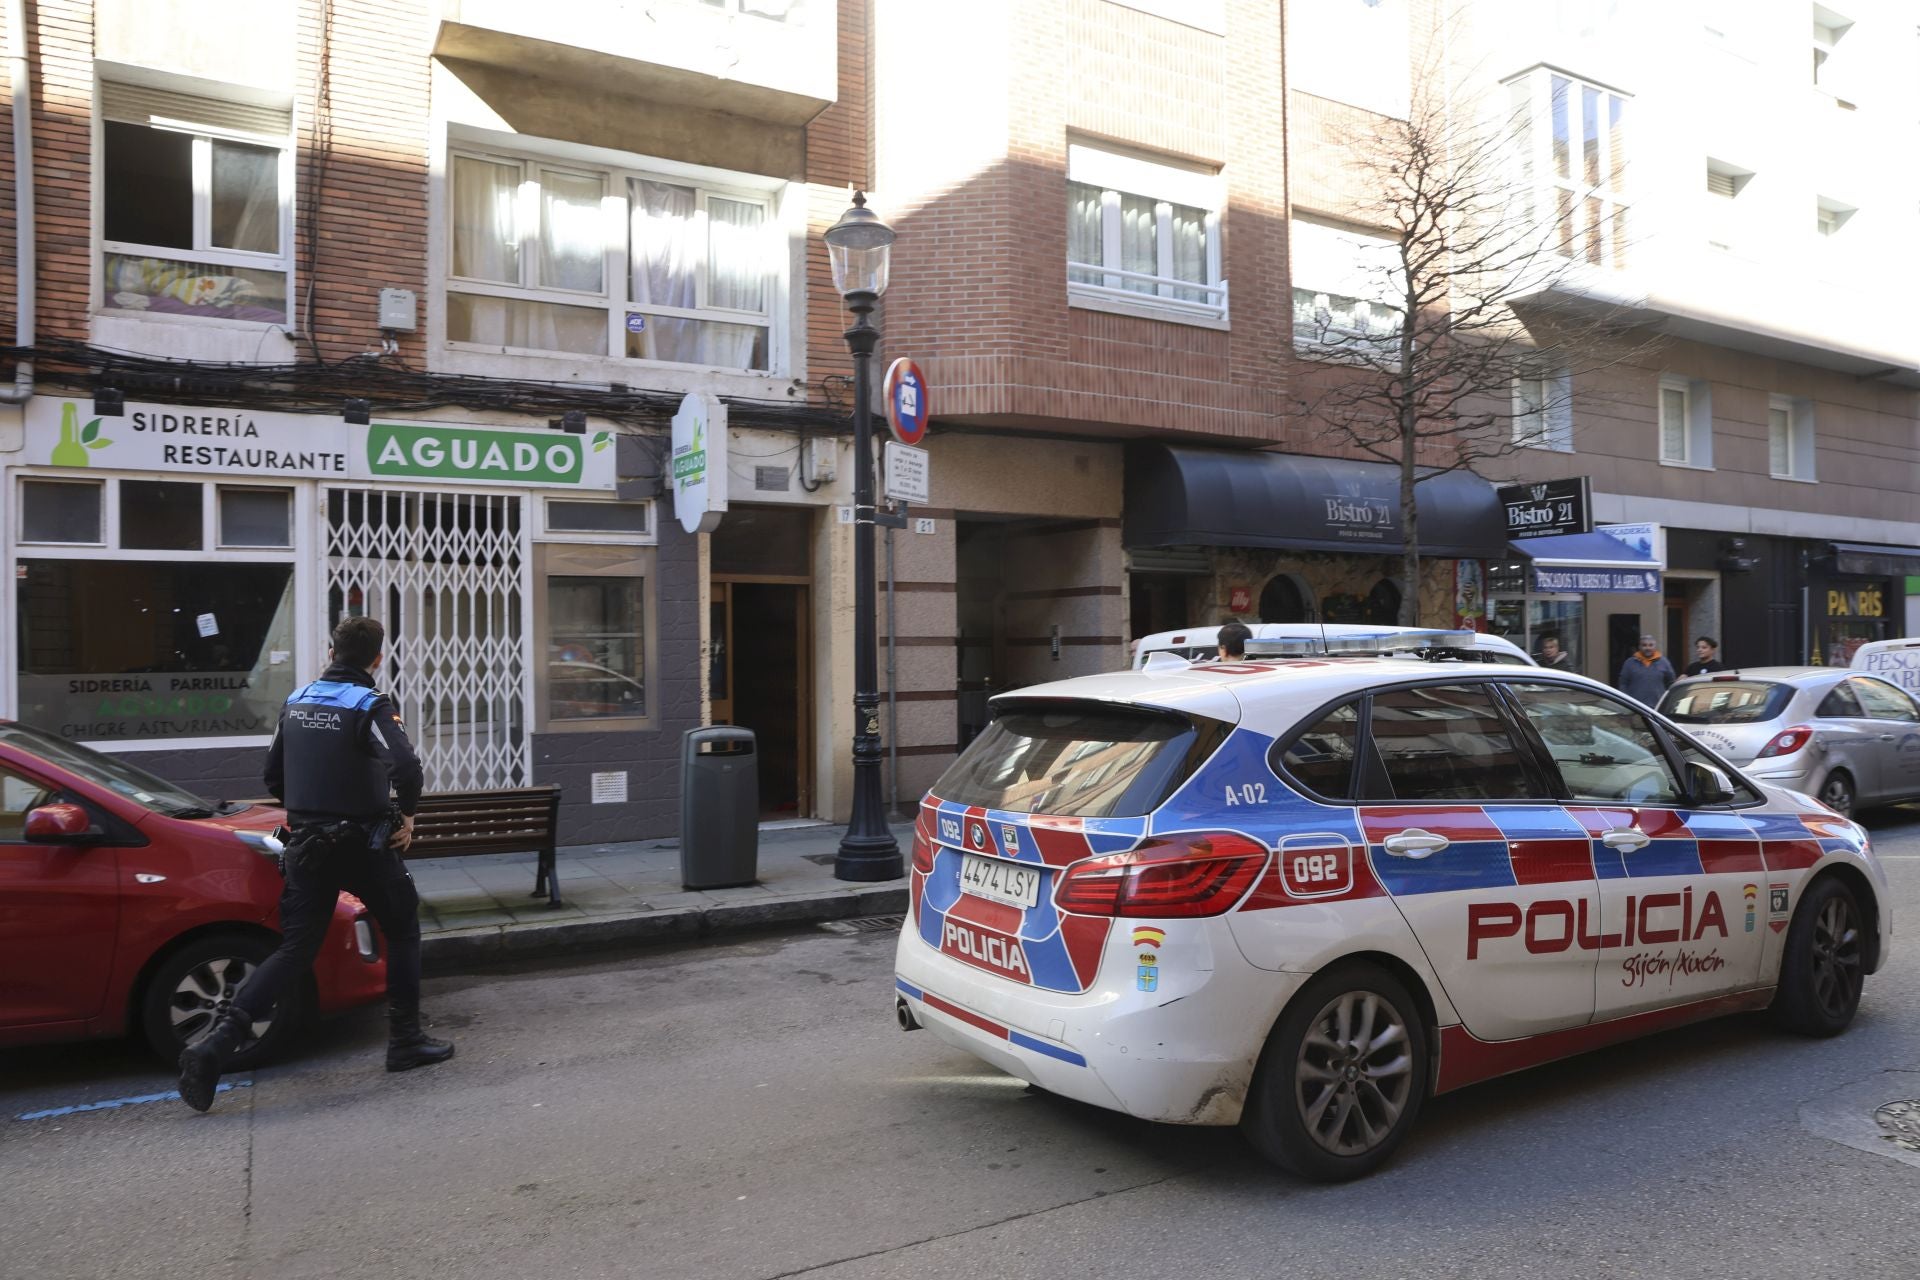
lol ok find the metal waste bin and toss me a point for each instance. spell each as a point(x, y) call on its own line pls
point(719, 808)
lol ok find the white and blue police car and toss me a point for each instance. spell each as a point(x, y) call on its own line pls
point(1303, 895)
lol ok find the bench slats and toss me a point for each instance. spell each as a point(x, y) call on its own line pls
point(515, 820)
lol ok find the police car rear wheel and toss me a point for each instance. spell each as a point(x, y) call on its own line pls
point(1824, 964)
point(1342, 1077)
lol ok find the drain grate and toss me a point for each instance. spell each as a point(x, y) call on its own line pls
point(1901, 1120)
point(864, 924)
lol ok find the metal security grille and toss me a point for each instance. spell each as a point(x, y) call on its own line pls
point(443, 572)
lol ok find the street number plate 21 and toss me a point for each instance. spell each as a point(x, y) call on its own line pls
point(999, 880)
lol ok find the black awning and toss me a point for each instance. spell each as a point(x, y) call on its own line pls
point(1868, 561)
point(1182, 496)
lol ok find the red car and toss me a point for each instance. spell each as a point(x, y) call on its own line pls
point(128, 903)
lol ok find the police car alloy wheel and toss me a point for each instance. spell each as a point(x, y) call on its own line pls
point(1342, 1078)
point(1824, 967)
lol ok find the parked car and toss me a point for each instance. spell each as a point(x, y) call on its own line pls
point(1897, 661)
point(1303, 896)
point(1852, 740)
point(1202, 643)
point(130, 904)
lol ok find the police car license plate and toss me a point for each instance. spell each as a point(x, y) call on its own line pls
point(999, 880)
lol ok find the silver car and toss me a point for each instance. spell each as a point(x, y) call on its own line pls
point(1851, 740)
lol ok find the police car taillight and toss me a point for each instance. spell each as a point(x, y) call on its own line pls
point(1786, 742)
point(1192, 873)
point(922, 850)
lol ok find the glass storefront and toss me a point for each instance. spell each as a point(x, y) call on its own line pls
point(1552, 628)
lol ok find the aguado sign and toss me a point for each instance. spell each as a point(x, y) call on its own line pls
point(197, 442)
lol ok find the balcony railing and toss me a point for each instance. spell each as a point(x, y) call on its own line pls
point(1159, 292)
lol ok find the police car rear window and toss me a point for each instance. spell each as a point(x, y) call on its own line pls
point(1074, 761)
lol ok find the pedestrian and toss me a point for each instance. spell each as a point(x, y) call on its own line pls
point(337, 754)
point(1645, 674)
point(1232, 639)
point(1706, 657)
point(1552, 655)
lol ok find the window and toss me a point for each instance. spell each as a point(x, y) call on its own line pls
point(1829, 28)
point(1605, 750)
point(196, 201)
point(1447, 743)
point(584, 261)
point(1571, 139)
point(595, 661)
point(60, 511)
point(160, 515)
point(1321, 758)
point(1143, 234)
point(1352, 51)
point(1346, 283)
point(1789, 438)
point(1686, 422)
point(1884, 702)
point(1543, 411)
point(1723, 701)
point(256, 518)
point(1839, 704)
point(1830, 216)
point(567, 516)
point(1087, 761)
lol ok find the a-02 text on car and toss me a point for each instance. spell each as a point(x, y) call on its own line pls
point(128, 903)
point(1304, 895)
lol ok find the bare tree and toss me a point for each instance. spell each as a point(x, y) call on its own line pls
point(1487, 339)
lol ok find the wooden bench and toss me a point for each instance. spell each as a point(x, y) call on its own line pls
point(451, 824)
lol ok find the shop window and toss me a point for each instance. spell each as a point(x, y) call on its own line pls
point(595, 665)
point(60, 511)
point(1571, 141)
point(256, 518)
point(587, 261)
point(567, 516)
point(128, 650)
point(160, 515)
point(1447, 742)
point(195, 205)
point(1143, 234)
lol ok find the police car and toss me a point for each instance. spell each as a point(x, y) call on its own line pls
point(1303, 895)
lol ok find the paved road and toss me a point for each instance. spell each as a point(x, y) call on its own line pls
point(749, 1111)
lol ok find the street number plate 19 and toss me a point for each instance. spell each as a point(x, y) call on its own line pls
point(1000, 880)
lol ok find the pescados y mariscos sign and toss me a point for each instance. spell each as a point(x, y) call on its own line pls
point(294, 446)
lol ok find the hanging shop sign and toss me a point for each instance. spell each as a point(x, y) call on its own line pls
point(295, 446)
point(700, 462)
point(1547, 507)
point(908, 405)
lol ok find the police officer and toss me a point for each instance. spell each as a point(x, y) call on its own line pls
point(338, 749)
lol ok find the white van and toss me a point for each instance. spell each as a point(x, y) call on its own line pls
point(1203, 642)
point(1896, 661)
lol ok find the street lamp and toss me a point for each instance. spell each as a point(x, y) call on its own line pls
point(858, 248)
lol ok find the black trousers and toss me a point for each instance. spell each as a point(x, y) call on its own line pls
point(320, 861)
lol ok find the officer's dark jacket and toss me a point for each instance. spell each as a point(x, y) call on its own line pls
point(338, 748)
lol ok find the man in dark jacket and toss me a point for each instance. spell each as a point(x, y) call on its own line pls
point(342, 765)
point(1646, 673)
point(1706, 657)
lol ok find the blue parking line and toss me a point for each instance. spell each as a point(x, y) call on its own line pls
point(111, 1103)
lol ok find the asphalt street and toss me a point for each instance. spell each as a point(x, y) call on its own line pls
point(750, 1110)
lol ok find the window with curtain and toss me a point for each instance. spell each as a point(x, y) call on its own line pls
point(1141, 232)
point(194, 205)
point(577, 261)
point(1345, 282)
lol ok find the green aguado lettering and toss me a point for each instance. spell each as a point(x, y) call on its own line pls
point(469, 454)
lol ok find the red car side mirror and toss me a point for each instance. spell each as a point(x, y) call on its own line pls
point(58, 824)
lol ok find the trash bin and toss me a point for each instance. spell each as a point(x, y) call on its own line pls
point(719, 808)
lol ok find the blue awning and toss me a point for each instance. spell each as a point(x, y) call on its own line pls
point(1588, 562)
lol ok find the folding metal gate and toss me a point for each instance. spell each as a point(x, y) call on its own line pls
point(445, 573)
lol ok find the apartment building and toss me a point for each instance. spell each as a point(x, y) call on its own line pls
point(383, 307)
point(1723, 173)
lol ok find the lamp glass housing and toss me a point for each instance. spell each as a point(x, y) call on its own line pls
point(858, 249)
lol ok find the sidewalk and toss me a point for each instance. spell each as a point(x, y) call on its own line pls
point(479, 910)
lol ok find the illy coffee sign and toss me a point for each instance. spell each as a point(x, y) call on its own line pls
point(1547, 507)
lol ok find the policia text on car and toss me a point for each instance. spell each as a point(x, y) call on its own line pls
point(339, 751)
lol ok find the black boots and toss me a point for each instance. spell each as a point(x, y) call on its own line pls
point(202, 1061)
point(408, 1046)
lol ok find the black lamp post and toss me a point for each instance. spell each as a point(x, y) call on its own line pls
point(858, 247)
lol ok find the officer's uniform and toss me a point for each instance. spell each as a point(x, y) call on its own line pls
point(338, 749)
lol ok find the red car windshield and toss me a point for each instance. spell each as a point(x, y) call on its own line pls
point(115, 774)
